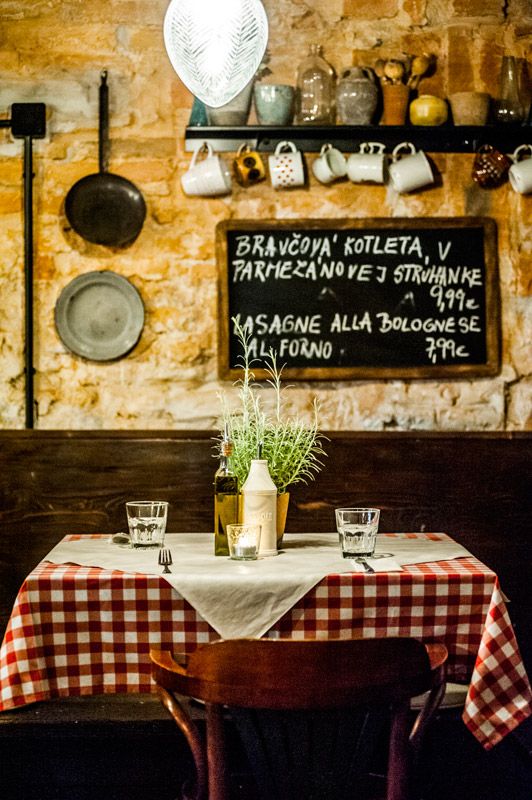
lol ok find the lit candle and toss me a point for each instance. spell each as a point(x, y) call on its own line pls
point(245, 547)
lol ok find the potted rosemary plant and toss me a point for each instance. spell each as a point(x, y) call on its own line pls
point(292, 448)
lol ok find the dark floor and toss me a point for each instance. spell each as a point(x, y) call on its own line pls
point(456, 766)
point(152, 765)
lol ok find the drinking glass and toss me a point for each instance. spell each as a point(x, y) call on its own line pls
point(357, 528)
point(147, 522)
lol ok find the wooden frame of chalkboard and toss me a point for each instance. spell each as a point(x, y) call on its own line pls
point(340, 299)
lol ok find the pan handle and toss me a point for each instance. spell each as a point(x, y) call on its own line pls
point(103, 132)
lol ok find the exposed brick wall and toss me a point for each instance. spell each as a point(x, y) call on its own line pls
point(54, 53)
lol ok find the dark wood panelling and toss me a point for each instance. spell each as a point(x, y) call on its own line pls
point(476, 487)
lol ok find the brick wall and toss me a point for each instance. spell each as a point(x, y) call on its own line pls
point(54, 52)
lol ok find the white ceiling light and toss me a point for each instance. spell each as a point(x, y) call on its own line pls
point(215, 46)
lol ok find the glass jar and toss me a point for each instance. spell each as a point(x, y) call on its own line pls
point(509, 107)
point(316, 88)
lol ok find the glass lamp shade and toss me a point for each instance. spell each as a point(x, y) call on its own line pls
point(215, 46)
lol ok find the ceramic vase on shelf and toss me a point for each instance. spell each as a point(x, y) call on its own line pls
point(470, 108)
point(429, 110)
point(395, 98)
point(509, 108)
point(235, 112)
point(274, 103)
point(356, 96)
point(316, 87)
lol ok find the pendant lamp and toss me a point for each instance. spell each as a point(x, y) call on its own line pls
point(215, 46)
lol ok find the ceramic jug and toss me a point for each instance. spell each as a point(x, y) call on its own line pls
point(356, 96)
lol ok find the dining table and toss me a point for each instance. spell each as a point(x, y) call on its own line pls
point(86, 617)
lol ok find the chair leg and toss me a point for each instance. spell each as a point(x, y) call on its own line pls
point(189, 730)
point(432, 704)
point(216, 753)
point(398, 778)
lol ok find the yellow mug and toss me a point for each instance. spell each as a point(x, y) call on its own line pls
point(248, 166)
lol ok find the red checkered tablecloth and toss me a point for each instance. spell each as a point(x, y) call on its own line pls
point(84, 630)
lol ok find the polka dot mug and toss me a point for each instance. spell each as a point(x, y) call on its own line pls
point(286, 167)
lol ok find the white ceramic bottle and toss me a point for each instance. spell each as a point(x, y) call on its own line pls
point(260, 505)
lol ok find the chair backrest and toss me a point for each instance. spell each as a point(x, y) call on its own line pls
point(309, 712)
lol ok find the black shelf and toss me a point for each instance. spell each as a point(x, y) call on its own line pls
point(310, 138)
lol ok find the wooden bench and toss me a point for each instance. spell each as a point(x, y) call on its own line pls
point(474, 486)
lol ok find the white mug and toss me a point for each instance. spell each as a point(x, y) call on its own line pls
point(367, 165)
point(330, 164)
point(520, 173)
point(409, 171)
point(209, 177)
point(286, 168)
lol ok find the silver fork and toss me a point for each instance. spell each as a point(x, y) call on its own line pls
point(367, 567)
point(165, 559)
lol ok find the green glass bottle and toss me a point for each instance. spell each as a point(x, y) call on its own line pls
point(225, 497)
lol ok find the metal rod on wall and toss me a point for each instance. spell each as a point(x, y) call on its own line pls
point(28, 280)
point(28, 122)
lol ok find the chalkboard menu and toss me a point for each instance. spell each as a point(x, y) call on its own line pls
point(362, 298)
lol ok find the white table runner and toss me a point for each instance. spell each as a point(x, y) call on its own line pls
point(246, 598)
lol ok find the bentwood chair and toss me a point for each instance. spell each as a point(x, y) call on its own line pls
point(310, 713)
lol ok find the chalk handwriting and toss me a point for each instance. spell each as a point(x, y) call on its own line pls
point(321, 297)
point(437, 274)
point(376, 244)
point(300, 347)
point(278, 324)
point(443, 348)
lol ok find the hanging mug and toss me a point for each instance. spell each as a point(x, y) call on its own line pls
point(286, 167)
point(330, 164)
point(520, 173)
point(490, 167)
point(248, 166)
point(409, 171)
point(368, 165)
point(209, 176)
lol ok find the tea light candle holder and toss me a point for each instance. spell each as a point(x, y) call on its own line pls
point(244, 541)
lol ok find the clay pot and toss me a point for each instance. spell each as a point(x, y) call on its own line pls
point(356, 96)
point(395, 97)
point(470, 108)
point(429, 110)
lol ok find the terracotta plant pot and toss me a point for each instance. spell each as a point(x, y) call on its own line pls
point(470, 108)
point(282, 510)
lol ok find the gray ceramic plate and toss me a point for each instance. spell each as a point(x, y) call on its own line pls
point(99, 316)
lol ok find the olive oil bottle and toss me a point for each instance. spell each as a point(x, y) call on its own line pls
point(225, 497)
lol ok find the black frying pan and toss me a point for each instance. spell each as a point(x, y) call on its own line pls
point(104, 208)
